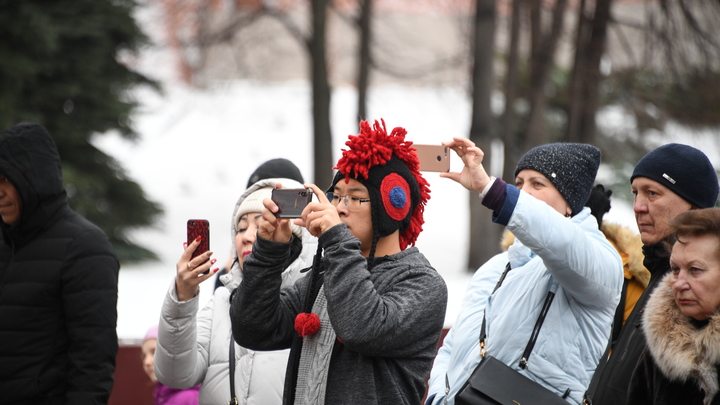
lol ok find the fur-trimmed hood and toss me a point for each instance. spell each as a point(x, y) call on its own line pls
point(679, 349)
point(623, 239)
point(629, 243)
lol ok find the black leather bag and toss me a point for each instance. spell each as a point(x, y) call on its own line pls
point(494, 383)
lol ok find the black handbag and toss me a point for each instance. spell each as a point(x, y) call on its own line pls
point(494, 383)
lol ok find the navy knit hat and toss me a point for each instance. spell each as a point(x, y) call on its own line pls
point(276, 168)
point(570, 167)
point(686, 171)
point(388, 167)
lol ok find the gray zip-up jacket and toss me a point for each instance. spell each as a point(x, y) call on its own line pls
point(387, 319)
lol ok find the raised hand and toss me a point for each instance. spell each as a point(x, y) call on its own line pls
point(319, 216)
point(271, 227)
point(473, 176)
point(190, 271)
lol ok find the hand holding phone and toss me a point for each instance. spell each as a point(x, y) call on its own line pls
point(291, 201)
point(433, 158)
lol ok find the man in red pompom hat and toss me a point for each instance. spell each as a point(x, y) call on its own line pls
point(363, 326)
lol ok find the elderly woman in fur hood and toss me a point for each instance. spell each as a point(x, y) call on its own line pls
point(682, 320)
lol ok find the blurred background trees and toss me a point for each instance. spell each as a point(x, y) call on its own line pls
point(536, 71)
point(63, 65)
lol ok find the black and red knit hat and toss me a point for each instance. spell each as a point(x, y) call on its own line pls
point(388, 167)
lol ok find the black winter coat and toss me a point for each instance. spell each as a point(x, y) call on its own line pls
point(58, 286)
point(614, 375)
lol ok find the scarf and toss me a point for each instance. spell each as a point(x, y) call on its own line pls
point(315, 358)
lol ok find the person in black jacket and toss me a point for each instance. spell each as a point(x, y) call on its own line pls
point(58, 283)
point(668, 181)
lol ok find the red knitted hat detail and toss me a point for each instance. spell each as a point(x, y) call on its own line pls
point(395, 193)
point(373, 146)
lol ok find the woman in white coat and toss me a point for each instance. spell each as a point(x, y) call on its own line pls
point(194, 348)
point(558, 247)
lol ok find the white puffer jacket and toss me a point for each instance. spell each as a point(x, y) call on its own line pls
point(193, 347)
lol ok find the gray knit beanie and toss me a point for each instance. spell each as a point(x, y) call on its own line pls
point(686, 171)
point(570, 167)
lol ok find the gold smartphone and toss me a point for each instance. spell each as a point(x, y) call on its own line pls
point(433, 158)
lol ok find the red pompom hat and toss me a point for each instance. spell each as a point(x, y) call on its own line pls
point(388, 167)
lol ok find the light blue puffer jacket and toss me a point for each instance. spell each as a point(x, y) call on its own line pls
point(548, 246)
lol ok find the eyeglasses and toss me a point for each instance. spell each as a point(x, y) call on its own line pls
point(351, 202)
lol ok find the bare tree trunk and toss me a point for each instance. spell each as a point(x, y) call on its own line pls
point(583, 98)
point(322, 146)
point(576, 103)
point(598, 40)
point(542, 57)
point(484, 234)
point(364, 57)
point(512, 146)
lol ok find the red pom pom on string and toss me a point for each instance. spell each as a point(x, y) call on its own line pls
point(307, 324)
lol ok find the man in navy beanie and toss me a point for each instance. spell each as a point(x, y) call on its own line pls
point(668, 181)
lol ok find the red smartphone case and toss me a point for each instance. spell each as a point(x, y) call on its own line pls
point(195, 228)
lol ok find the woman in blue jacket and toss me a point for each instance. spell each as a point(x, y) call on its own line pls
point(557, 244)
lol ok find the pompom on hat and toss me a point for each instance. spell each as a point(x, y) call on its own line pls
point(686, 171)
point(570, 167)
point(389, 168)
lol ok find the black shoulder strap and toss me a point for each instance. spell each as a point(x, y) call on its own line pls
point(231, 360)
point(499, 283)
point(536, 329)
